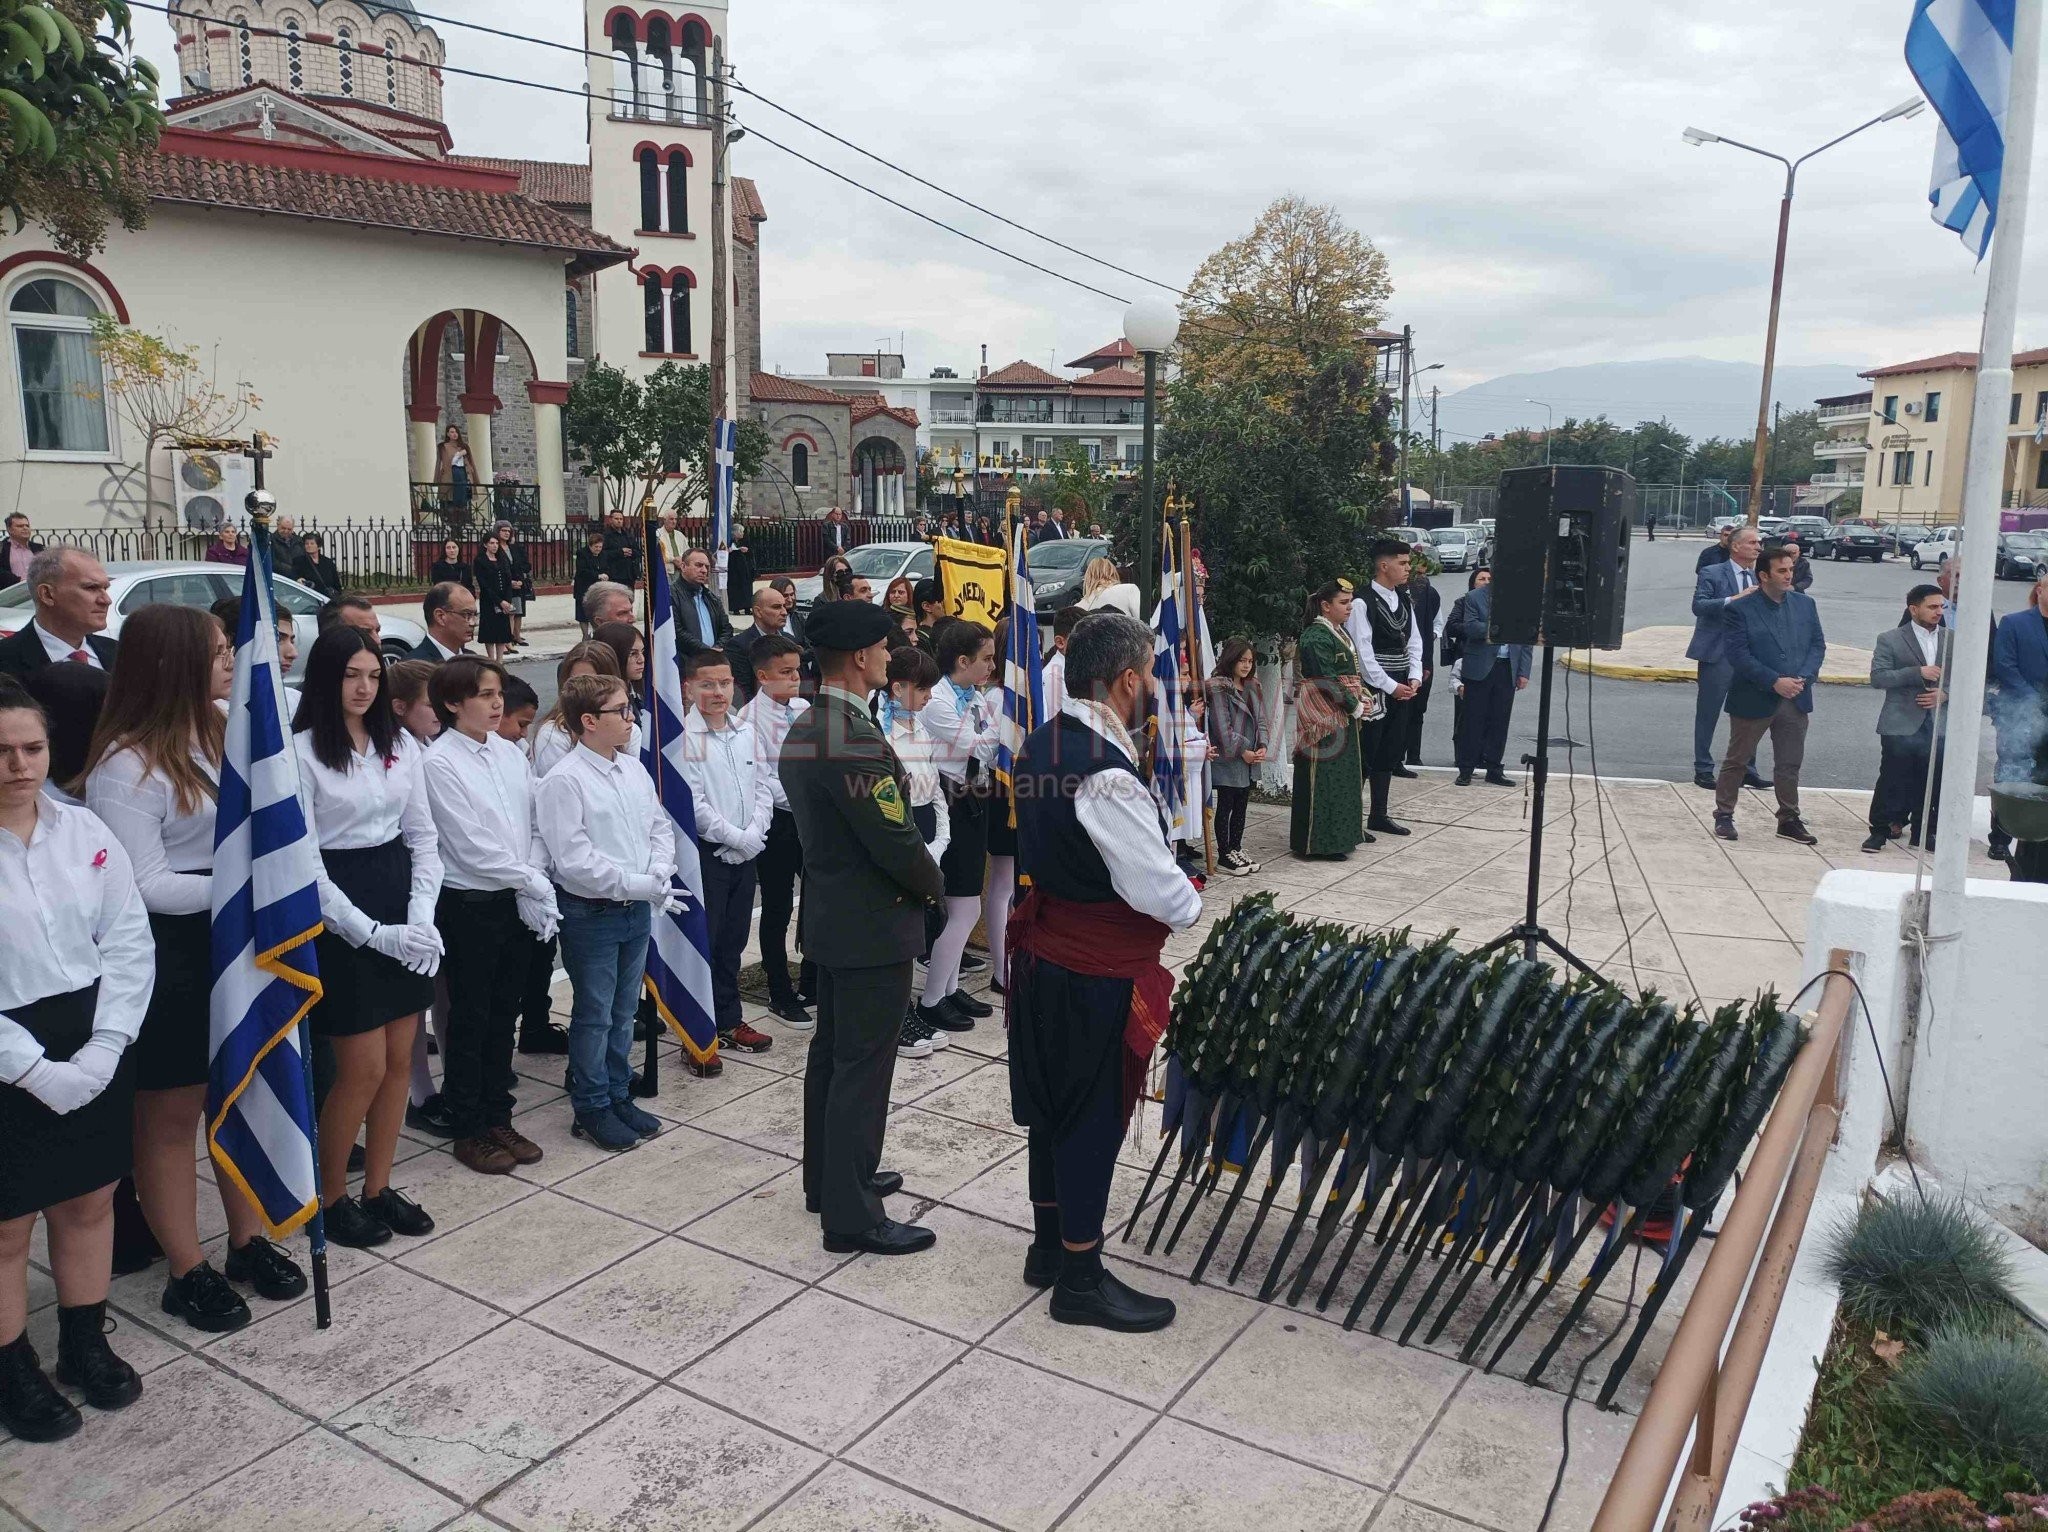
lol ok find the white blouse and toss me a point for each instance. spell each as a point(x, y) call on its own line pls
point(913, 748)
point(960, 728)
point(370, 804)
point(1120, 597)
point(72, 914)
point(172, 852)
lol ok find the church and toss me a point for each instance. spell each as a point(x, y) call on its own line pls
point(315, 234)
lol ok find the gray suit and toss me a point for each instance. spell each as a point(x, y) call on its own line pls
point(1715, 586)
point(1895, 661)
point(1907, 748)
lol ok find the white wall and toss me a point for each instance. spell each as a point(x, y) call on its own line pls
point(316, 316)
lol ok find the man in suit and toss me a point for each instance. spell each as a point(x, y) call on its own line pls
point(450, 612)
point(1907, 664)
point(1718, 587)
point(701, 618)
point(285, 545)
point(2019, 659)
point(771, 616)
point(72, 598)
point(867, 879)
point(1715, 552)
point(17, 550)
point(1491, 674)
point(1775, 647)
point(621, 551)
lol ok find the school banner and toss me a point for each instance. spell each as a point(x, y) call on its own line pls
point(972, 576)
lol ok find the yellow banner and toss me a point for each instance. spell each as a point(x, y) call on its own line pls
point(973, 578)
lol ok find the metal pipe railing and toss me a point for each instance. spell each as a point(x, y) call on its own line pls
point(1702, 1390)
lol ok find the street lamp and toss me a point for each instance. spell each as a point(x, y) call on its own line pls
point(1698, 137)
point(1150, 325)
point(1549, 429)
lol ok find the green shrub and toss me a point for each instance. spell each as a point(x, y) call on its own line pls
point(1986, 1391)
point(1914, 1267)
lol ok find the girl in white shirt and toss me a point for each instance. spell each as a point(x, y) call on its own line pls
point(359, 780)
point(963, 744)
point(72, 994)
point(912, 675)
point(153, 775)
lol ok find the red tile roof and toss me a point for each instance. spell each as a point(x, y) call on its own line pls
point(773, 388)
point(747, 210)
point(1952, 359)
point(1118, 350)
point(1023, 375)
point(369, 191)
point(867, 406)
point(551, 181)
point(1112, 380)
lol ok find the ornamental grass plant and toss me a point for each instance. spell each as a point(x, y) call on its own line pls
point(1984, 1392)
point(1914, 1266)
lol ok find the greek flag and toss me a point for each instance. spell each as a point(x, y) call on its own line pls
point(266, 912)
point(1023, 669)
point(1961, 53)
point(725, 443)
point(679, 956)
point(1166, 716)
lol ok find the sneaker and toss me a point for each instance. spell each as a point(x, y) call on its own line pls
point(604, 1130)
point(1234, 864)
point(203, 1299)
point(430, 1117)
point(400, 1213)
point(1794, 829)
point(548, 1037)
point(967, 1005)
point(971, 963)
point(644, 1124)
point(485, 1155)
point(709, 1069)
point(911, 1046)
point(791, 1014)
point(931, 1035)
point(353, 1222)
point(87, 1362)
point(1724, 826)
point(524, 1151)
point(945, 1016)
point(746, 1039)
point(1875, 841)
point(30, 1406)
point(266, 1268)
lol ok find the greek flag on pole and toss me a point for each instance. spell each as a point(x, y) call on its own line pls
point(725, 444)
point(266, 912)
point(679, 956)
point(1166, 720)
point(1961, 53)
point(1023, 668)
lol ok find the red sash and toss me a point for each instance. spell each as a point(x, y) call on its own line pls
point(1104, 941)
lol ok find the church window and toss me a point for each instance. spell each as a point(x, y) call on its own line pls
point(650, 189)
point(800, 466)
point(657, 316)
point(390, 69)
point(345, 50)
point(572, 316)
point(679, 313)
point(242, 45)
point(678, 193)
point(294, 52)
point(57, 367)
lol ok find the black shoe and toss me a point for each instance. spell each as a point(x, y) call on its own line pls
point(1724, 826)
point(351, 1222)
point(1464, 779)
point(886, 1238)
point(1403, 771)
point(1794, 829)
point(887, 1183)
point(792, 1011)
point(642, 1029)
point(87, 1362)
point(266, 1268)
point(1385, 826)
point(430, 1117)
point(1703, 779)
point(548, 1037)
point(1500, 778)
point(1041, 1267)
point(1999, 851)
point(1110, 1305)
point(1875, 841)
point(945, 1016)
point(30, 1406)
point(355, 1157)
point(1751, 779)
point(970, 963)
point(400, 1213)
point(203, 1299)
point(969, 1006)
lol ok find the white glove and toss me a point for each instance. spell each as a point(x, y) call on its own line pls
point(99, 1057)
point(60, 1087)
point(420, 949)
point(539, 916)
point(670, 903)
point(389, 940)
point(753, 845)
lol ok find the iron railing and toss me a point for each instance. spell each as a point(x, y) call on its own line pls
point(1674, 505)
point(434, 507)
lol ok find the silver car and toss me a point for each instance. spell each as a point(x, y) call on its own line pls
point(138, 585)
point(1456, 547)
point(878, 564)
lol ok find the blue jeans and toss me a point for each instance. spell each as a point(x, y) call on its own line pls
point(604, 950)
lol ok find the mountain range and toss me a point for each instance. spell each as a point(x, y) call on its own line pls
point(1699, 397)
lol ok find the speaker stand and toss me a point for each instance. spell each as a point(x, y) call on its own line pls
point(1530, 932)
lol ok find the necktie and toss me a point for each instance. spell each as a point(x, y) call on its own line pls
point(80, 657)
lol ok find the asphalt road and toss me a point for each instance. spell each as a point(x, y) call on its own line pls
point(1644, 728)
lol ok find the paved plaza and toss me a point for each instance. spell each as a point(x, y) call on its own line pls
point(656, 1340)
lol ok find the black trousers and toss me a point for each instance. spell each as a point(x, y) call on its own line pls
point(486, 968)
point(846, 1091)
point(1483, 722)
point(1075, 1169)
point(778, 866)
point(1383, 746)
point(729, 910)
point(1417, 706)
point(1230, 808)
point(537, 1002)
point(1902, 766)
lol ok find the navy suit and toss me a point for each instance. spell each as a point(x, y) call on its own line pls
point(1715, 584)
point(1490, 679)
point(2019, 659)
point(1768, 641)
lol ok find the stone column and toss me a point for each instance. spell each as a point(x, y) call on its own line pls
point(477, 410)
point(548, 399)
point(424, 418)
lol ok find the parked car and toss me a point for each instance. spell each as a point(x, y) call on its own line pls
point(1721, 524)
point(1850, 540)
point(1774, 528)
point(1056, 569)
point(1904, 535)
point(1456, 547)
point(878, 563)
point(1937, 547)
point(1810, 529)
point(136, 585)
point(2022, 555)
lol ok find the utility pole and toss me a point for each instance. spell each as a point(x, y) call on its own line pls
point(1407, 372)
point(721, 229)
point(1436, 443)
point(1771, 461)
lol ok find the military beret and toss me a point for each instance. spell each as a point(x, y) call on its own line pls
point(846, 625)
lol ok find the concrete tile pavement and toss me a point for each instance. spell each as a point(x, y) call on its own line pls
point(656, 1340)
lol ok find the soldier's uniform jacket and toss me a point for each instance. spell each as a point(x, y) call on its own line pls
point(867, 875)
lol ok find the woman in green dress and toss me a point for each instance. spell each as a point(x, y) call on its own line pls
point(1328, 818)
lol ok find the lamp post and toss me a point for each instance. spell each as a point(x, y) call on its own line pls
point(1150, 325)
point(1698, 137)
point(1549, 429)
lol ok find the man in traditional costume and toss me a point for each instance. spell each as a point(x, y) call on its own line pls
point(1389, 642)
point(1088, 999)
point(1329, 703)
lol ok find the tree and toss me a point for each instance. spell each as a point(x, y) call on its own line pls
point(1280, 304)
point(78, 111)
point(1079, 487)
point(651, 440)
point(168, 394)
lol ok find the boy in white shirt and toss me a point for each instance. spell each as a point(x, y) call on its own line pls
point(734, 806)
point(1054, 682)
point(778, 677)
point(613, 852)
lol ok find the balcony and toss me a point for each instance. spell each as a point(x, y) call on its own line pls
point(1837, 481)
point(676, 111)
point(1840, 446)
point(952, 417)
point(1834, 412)
point(1033, 412)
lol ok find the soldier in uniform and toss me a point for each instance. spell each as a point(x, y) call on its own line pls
point(867, 879)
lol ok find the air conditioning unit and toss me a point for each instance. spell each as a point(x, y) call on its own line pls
point(211, 487)
point(1912, 409)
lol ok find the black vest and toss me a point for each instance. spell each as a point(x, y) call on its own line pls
point(1053, 850)
point(1389, 630)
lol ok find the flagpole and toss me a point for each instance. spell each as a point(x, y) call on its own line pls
point(1983, 482)
point(1192, 627)
point(650, 1065)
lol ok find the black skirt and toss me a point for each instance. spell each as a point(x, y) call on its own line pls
point(46, 1158)
point(175, 1045)
point(1002, 835)
point(966, 860)
point(362, 989)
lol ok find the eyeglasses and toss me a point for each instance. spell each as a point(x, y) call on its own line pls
point(623, 710)
point(464, 616)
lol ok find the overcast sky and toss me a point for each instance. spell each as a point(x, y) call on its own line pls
point(1519, 161)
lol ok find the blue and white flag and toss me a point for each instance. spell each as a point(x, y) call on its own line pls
point(1023, 669)
point(725, 444)
point(1961, 53)
point(266, 912)
point(1166, 712)
point(679, 956)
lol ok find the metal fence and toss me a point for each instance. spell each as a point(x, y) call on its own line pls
point(1673, 505)
point(379, 556)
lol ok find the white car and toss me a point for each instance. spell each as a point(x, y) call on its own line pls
point(878, 564)
point(1937, 547)
point(1456, 547)
point(200, 585)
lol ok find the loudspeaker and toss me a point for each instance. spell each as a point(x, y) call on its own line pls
point(1560, 556)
